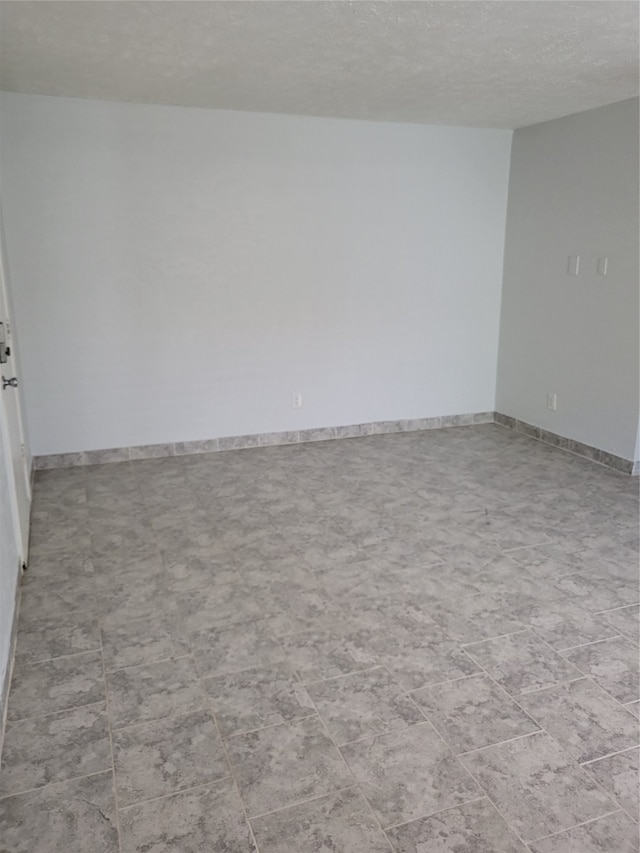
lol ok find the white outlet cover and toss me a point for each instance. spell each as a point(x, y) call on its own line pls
point(603, 263)
point(573, 267)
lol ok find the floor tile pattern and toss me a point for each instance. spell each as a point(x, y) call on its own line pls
point(408, 642)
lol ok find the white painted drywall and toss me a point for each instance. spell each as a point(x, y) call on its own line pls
point(179, 273)
point(573, 191)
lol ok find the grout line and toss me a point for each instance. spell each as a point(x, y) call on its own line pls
point(169, 794)
point(95, 651)
point(353, 775)
point(288, 722)
point(51, 713)
point(388, 731)
point(576, 826)
point(497, 637)
point(147, 663)
point(615, 609)
point(483, 796)
point(303, 802)
point(113, 760)
point(55, 713)
point(347, 675)
point(535, 690)
point(231, 769)
point(502, 742)
point(54, 783)
point(590, 643)
point(156, 720)
point(431, 685)
point(541, 730)
point(609, 755)
point(486, 793)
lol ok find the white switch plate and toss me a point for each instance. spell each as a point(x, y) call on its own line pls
point(573, 267)
point(552, 402)
point(296, 401)
point(603, 263)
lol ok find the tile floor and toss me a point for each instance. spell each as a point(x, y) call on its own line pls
point(418, 643)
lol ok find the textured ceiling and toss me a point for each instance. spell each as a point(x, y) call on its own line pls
point(484, 64)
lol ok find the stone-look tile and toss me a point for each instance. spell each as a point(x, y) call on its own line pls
point(238, 442)
point(618, 463)
point(562, 623)
point(522, 662)
point(457, 420)
point(102, 457)
point(416, 658)
point(473, 712)
point(404, 501)
point(151, 451)
point(182, 448)
point(215, 608)
point(483, 417)
point(320, 434)
point(474, 827)
point(624, 620)
point(597, 592)
point(536, 786)
point(613, 664)
point(59, 460)
point(269, 439)
point(54, 748)
point(583, 719)
point(135, 598)
point(408, 774)
point(476, 617)
point(618, 775)
point(52, 638)
point(257, 697)
point(292, 607)
point(551, 560)
point(152, 691)
point(614, 832)
point(197, 821)
point(321, 654)
point(166, 756)
point(56, 685)
point(199, 568)
point(282, 765)
point(587, 451)
point(224, 650)
point(363, 704)
point(340, 822)
point(633, 708)
point(142, 641)
point(353, 430)
point(504, 420)
point(73, 817)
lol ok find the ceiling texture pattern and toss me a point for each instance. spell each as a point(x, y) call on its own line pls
point(502, 64)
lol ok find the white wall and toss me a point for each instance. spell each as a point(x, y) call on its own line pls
point(179, 273)
point(573, 191)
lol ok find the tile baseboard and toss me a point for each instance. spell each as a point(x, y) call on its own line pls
point(586, 451)
point(268, 439)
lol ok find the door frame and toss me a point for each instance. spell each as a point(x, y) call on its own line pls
point(20, 526)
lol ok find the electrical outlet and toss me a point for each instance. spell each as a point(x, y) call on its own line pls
point(296, 401)
point(552, 401)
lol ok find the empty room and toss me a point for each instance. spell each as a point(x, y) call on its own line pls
point(319, 426)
